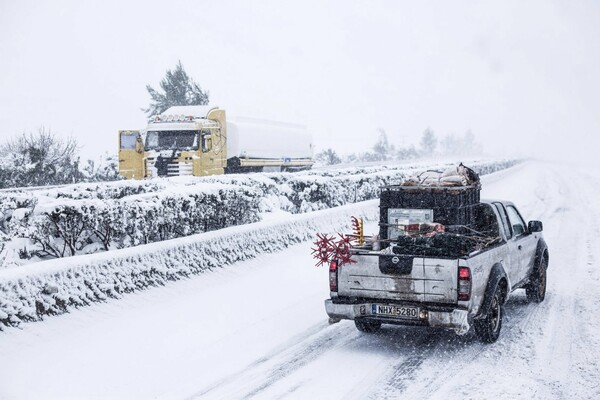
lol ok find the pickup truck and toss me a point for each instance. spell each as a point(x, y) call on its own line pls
point(455, 287)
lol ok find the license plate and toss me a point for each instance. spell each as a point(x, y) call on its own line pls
point(395, 311)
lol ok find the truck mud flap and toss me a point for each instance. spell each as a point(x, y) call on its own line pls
point(395, 264)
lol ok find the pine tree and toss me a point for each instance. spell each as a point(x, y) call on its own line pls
point(382, 148)
point(179, 90)
point(328, 157)
point(428, 142)
point(450, 144)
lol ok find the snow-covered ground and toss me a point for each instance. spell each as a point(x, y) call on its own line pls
point(258, 329)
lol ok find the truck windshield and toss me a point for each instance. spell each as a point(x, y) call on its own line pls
point(172, 140)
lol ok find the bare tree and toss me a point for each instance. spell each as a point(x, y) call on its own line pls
point(382, 148)
point(41, 158)
point(328, 157)
point(428, 142)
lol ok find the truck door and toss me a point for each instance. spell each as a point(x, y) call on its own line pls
point(512, 263)
point(524, 240)
point(131, 155)
point(211, 158)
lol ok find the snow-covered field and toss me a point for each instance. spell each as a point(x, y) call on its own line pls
point(258, 329)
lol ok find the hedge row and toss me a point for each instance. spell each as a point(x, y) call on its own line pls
point(58, 223)
point(57, 286)
point(318, 190)
point(71, 227)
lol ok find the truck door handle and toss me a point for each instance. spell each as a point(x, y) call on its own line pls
point(520, 247)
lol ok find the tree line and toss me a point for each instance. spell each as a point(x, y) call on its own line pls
point(429, 146)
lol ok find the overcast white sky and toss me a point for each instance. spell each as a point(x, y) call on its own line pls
point(522, 75)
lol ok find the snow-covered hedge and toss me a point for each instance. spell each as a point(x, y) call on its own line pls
point(320, 189)
point(55, 286)
point(87, 218)
point(66, 227)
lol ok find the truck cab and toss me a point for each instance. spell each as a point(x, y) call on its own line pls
point(184, 140)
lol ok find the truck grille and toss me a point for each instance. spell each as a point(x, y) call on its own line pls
point(173, 168)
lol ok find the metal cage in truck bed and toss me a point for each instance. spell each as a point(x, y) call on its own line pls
point(452, 205)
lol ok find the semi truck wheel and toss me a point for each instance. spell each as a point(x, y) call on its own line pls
point(536, 289)
point(488, 329)
point(367, 326)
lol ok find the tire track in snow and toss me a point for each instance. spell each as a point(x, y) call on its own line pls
point(553, 340)
point(399, 375)
point(532, 319)
point(449, 354)
point(584, 372)
point(290, 357)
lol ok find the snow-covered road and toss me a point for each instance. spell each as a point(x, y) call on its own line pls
point(258, 329)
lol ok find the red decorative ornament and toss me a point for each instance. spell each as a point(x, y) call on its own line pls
point(328, 249)
point(325, 246)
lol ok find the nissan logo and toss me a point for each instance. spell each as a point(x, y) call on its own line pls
point(395, 260)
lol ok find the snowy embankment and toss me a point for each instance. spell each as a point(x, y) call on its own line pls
point(91, 218)
point(55, 286)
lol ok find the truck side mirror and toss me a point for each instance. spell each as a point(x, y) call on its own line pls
point(535, 226)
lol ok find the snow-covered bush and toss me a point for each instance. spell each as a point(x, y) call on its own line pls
point(40, 158)
point(103, 169)
point(67, 227)
point(56, 286)
point(152, 218)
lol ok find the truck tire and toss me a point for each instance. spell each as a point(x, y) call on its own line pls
point(488, 329)
point(367, 326)
point(536, 288)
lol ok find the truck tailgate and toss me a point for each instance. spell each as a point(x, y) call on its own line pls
point(430, 280)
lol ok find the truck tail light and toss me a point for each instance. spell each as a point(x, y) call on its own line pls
point(464, 283)
point(333, 279)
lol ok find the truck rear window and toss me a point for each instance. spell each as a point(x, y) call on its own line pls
point(504, 219)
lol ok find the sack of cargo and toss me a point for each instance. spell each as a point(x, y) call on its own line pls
point(453, 176)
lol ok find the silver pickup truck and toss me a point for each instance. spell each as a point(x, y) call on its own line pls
point(452, 287)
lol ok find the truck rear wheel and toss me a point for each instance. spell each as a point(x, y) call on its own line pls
point(367, 326)
point(488, 329)
point(536, 289)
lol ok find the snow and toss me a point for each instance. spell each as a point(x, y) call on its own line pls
point(195, 111)
point(257, 328)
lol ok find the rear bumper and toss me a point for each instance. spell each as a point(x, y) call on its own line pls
point(455, 319)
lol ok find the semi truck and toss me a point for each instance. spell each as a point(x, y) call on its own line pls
point(443, 258)
point(201, 140)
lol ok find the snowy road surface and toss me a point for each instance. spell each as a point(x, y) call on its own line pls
point(258, 329)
